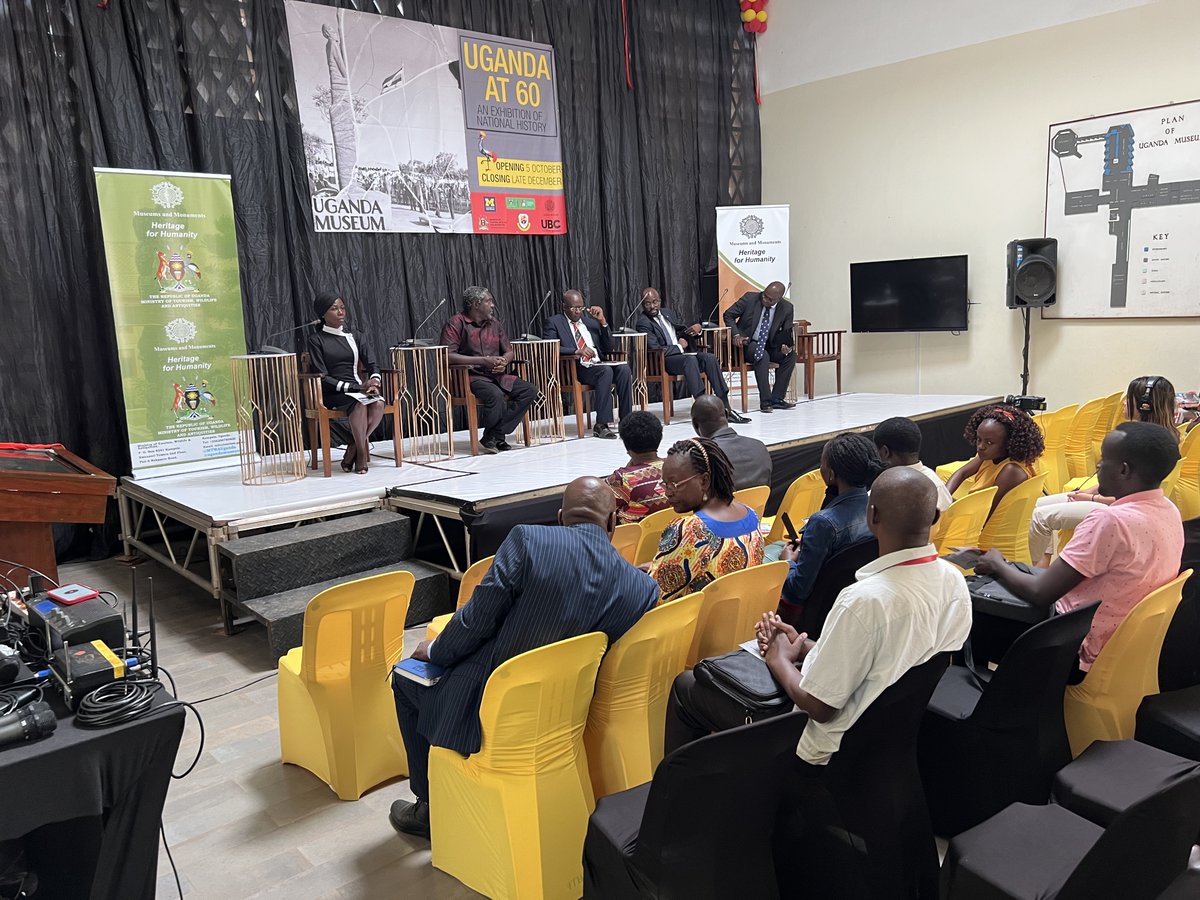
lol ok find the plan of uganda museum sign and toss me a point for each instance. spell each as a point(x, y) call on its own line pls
point(421, 128)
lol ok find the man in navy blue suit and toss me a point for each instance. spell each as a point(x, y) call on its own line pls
point(586, 337)
point(762, 325)
point(546, 584)
point(680, 356)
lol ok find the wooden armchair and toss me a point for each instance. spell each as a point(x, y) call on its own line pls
point(571, 386)
point(460, 395)
point(318, 416)
point(656, 370)
point(739, 364)
point(813, 347)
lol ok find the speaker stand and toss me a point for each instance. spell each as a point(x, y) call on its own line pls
point(1025, 353)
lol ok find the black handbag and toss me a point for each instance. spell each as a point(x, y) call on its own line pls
point(745, 679)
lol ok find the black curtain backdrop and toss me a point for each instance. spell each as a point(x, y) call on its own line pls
point(206, 86)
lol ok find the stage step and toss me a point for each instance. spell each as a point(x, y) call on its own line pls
point(263, 564)
point(283, 613)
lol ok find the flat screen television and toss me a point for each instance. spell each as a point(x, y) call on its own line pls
point(927, 294)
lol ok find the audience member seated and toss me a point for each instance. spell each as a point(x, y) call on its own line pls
point(906, 607)
point(898, 443)
point(750, 458)
point(1120, 552)
point(721, 537)
point(638, 486)
point(546, 584)
point(762, 326)
point(849, 465)
point(681, 354)
point(587, 338)
point(335, 354)
point(1150, 398)
point(1007, 445)
point(477, 339)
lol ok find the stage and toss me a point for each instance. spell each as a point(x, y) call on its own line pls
point(472, 502)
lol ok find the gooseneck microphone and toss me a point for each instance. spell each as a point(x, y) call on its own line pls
point(412, 341)
point(709, 322)
point(37, 720)
point(267, 348)
point(529, 335)
point(637, 303)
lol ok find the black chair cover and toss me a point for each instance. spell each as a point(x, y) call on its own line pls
point(837, 573)
point(1171, 722)
point(1111, 776)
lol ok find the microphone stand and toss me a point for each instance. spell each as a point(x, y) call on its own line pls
point(267, 348)
point(625, 329)
point(412, 341)
point(708, 322)
point(528, 335)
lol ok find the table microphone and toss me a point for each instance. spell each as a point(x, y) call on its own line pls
point(412, 341)
point(528, 336)
point(625, 329)
point(708, 322)
point(37, 720)
point(309, 324)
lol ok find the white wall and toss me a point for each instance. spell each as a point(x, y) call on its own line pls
point(813, 39)
point(946, 154)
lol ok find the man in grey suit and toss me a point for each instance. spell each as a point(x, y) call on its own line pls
point(546, 584)
point(751, 459)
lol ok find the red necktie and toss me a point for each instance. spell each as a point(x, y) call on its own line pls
point(580, 343)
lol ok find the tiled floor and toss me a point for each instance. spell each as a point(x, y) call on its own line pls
point(243, 825)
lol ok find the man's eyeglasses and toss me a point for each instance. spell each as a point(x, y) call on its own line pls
point(673, 486)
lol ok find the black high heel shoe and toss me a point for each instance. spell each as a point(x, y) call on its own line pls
point(348, 459)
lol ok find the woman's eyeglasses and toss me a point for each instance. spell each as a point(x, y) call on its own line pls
point(673, 486)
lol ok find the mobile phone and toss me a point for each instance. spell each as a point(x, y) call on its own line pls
point(791, 529)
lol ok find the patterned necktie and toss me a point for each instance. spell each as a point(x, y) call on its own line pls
point(760, 337)
point(580, 343)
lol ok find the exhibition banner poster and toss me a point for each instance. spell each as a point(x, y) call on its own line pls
point(422, 128)
point(752, 250)
point(177, 301)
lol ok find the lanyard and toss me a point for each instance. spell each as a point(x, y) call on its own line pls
point(917, 562)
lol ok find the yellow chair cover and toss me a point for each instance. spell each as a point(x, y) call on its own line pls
point(624, 735)
point(1078, 447)
point(1186, 493)
point(337, 715)
point(1008, 528)
point(732, 605)
point(1055, 426)
point(625, 538)
point(962, 524)
point(652, 528)
point(466, 588)
point(945, 470)
point(1103, 707)
point(803, 498)
point(509, 821)
point(754, 497)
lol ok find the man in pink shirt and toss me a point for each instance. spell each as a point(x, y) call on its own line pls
point(1119, 553)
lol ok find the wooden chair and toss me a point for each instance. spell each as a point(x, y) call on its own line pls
point(571, 386)
point(460, 395)
point(813, 347)
point(738, 364)
point(656, 371)
point(318, 416)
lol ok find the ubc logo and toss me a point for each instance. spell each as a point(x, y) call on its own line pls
point(552, 224)
point(489, 204)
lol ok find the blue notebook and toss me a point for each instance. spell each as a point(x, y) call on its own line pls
point(425, 673)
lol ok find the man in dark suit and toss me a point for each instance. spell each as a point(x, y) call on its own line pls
point(750, 458)
point(587, 338)
point(762, 326)
point(662, 330)
point(546, 584)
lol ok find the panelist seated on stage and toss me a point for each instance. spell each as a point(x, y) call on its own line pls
point(335, 354)
point(715, 534)
point(585, 335)
point(678, 343)
point(750, 458)
point(548, 583)
point(477, 339)
point(762, 326)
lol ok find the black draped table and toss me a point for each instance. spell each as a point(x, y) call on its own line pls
point(88, 802)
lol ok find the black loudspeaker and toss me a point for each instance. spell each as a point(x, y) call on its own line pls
point(1032, 273)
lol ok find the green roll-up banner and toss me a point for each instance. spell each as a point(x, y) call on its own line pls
point(177, 300)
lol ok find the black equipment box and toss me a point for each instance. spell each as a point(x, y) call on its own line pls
point(79, 623)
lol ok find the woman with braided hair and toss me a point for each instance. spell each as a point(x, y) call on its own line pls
point(721, 537)
point(1007, 445)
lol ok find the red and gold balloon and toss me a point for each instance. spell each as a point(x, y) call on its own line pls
point(754, 15)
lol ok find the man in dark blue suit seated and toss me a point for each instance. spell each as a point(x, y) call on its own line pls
point(587, 338)
point(678, 343)
point(762, 325)
point(546, 584)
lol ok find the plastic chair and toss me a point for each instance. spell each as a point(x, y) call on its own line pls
point(1078, 446)
point(1186, 489)
point(466, 588)
point(1104, 706)
point(755, 498)
point(337, 715)
point(732, 605)
point(803, 498)
point(624, 734)
point(626, 539)
point(1054, 427)
point(962, 524)
point(837, 572)
point(509, 821)
point(653, 527)
point(1007, 530)
point(945, 470)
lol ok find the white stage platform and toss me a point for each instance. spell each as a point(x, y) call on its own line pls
point(215, 506)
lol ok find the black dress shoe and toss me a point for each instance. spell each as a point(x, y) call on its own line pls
point(766, 408)
point(783, 404)
point(736, 416)
point(410, 818)
point(604, 431)
point(487, 445)
point(503, 445)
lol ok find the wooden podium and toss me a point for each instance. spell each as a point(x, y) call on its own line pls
point(38, 487)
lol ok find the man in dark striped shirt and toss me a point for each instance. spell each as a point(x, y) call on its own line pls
point(546, 584)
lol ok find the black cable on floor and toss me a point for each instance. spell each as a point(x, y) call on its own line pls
point(236, 689)
point(174, 871)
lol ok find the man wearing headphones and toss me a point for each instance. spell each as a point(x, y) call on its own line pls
point(677, 341)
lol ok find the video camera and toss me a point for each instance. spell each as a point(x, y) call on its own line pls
point(1026, 402)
